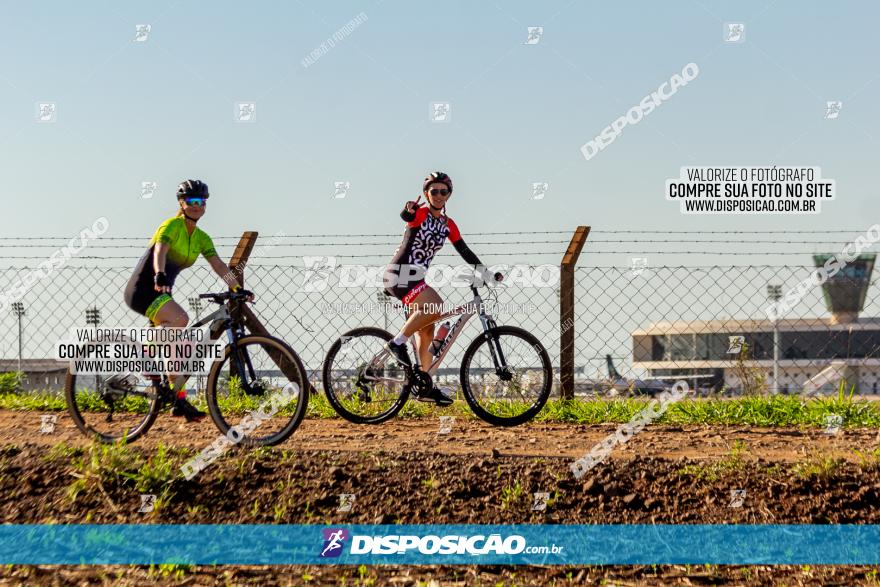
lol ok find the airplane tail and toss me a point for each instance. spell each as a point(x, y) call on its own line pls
point(612, 372)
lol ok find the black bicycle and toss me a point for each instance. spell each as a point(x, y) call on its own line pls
point(506, 376)
point(258, 387)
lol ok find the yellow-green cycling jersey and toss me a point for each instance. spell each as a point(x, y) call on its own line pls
point(183, 250)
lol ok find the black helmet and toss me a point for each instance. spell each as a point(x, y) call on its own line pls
point(437, 177)
point(192, 188)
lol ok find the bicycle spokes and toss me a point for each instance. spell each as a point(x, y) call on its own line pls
point(508, 377)
point(258, 391)
point(363, 382)
point(111, 412)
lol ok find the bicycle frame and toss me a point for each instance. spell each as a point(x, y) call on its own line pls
point(221, 318)
point(465, 312)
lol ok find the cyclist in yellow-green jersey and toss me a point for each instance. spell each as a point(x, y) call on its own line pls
point(175, 245)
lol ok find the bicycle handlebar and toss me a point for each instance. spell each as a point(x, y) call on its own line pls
point(222, 297)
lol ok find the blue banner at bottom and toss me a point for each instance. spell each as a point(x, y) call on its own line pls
point(518, 544)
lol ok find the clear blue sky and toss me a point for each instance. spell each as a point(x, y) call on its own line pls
point(163, 110)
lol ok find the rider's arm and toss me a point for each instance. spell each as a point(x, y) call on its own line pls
point(229, 276)
point(455, 238)
point(160, 251)
point(468, 255)
point(414, 215)
point(165, 235)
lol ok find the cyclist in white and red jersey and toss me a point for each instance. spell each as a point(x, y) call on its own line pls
point(427, 228)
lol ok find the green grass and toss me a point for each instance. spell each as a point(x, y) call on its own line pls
point(511, 494)
point(106, 465)
point(771, 410)
point(713, 471)
point(173, 571)
point(38, 402)
point(10, 382)
point(818, 467)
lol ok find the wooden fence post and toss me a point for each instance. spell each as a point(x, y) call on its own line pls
point(237, 264)
point(566, 311)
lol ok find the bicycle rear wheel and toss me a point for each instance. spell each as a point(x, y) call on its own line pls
point(263, 400)
point(360, 389)
point(515, 395)
point(110, 415)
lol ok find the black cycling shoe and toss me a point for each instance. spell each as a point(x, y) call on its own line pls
point(399, 352)
point(183, 408)
point(437, 396)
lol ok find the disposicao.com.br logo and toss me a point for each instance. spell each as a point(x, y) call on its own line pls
point(334, 540)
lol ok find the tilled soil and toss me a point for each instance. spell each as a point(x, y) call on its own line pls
point(446, 576)
point(474, 437)
point(405, 472)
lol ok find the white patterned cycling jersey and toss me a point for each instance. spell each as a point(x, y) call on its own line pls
point(423, 237)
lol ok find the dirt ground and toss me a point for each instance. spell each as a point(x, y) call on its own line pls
point(474, 437)
point(404, 471)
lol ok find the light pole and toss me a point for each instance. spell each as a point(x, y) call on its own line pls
point(19, 311)
point(93, 318)
point(382, 299)
point(774, 294)
point(195, 304)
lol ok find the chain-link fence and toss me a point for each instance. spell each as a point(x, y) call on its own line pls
point(637, 326)
point(712, 323)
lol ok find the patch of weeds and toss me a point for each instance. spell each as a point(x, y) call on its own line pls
point(157, 473)
point(713, 471)
point(511, 494)
point(363, 578)
point(103, 465)
point(61, 452)
point(868, 459)
point(169, 571)
point(818, 467)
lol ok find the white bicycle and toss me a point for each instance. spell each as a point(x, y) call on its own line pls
point(506, 376)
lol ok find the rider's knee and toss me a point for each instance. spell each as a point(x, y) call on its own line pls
point(178, 320)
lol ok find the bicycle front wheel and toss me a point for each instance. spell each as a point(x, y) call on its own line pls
point(258, 393)
point(515, 394)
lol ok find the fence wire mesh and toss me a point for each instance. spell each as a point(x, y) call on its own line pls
point(655, 323)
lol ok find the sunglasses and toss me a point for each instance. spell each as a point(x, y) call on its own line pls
point(195, 202)
point(436, 192)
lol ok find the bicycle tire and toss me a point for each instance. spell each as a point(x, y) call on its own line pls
point(331, 393)
point(89, 431)
point(302, 400)
point(546, 367)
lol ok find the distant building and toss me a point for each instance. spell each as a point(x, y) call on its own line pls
point(806, 346)
point(38, 373)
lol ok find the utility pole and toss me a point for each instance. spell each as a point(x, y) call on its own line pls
point(19, 311)
point(774, 294)
point(93, 318)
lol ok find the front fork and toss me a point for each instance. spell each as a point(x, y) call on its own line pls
point(241, 360)
point(495, 349)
